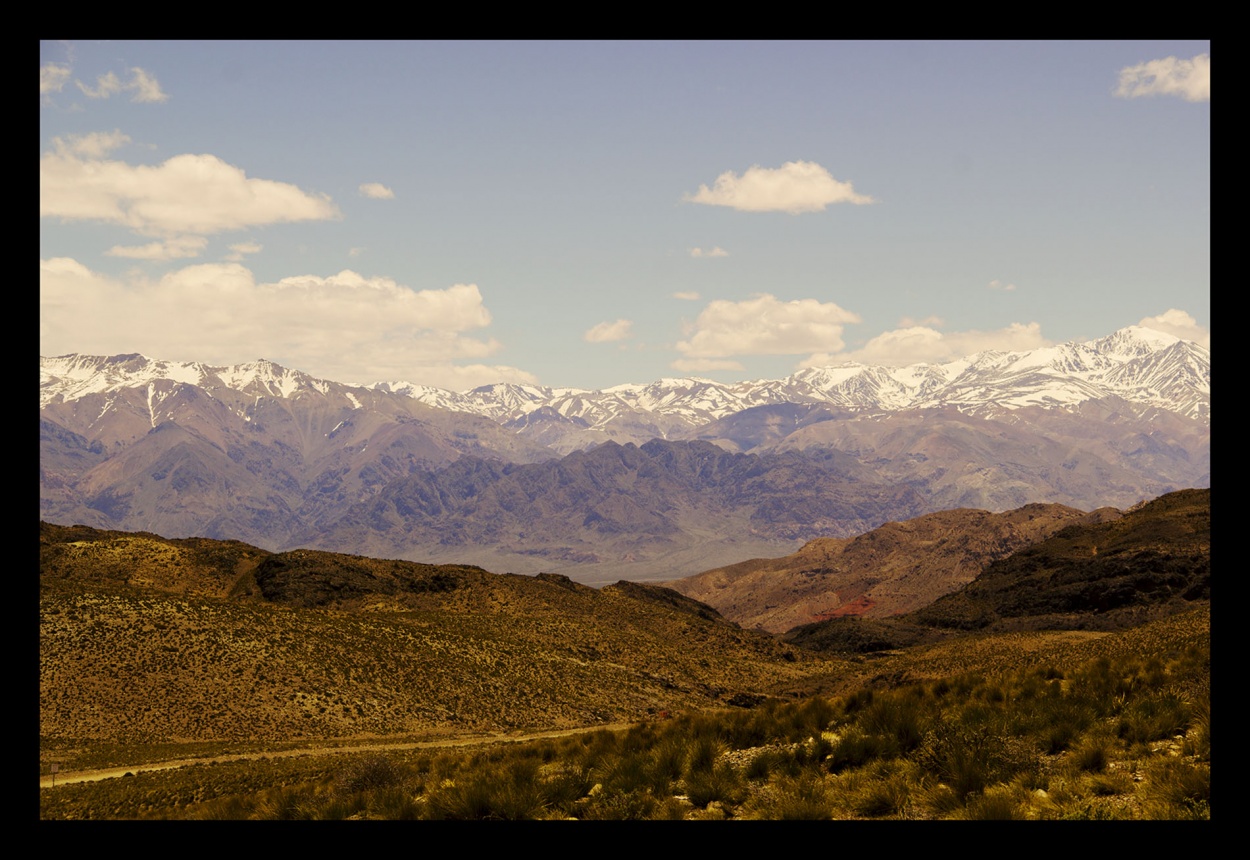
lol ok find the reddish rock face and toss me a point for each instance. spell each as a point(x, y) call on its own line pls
point(897, 568)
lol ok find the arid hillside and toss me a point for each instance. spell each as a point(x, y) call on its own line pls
point(897, 568)
point(1153, 562)
point(144, 639)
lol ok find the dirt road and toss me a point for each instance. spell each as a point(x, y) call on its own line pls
point(69, 778)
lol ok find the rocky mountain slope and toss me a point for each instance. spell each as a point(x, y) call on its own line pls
point(1111, 575)
point(254, 452)
point(890, 570)
point(654, 508)
point(521, 477)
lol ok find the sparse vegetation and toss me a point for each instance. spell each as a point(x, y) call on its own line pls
point(1019, 723)
point(974, 745)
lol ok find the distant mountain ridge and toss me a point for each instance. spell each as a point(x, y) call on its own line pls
point(1139, 365)
point(1142, 366)
point(276, 457)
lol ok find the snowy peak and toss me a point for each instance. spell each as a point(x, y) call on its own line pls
point(1136, 364)
point(1134, 342)
point(70, 377)
point(267, 378)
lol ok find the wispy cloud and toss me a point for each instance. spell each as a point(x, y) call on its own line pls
point(240, 249)
point(144, 86)
point(717, 251)
point(764, 325)
point(916, 344)
point(96, 144)
point(377, 191)
point(1180, 324)
point(686, 295)
point(1189, 79)
point(606, 332)
point(185, 195)
point(795, 187)
point(175, 248)
point(345, 326)
point(53, 77)
point(106, 85)
point(996, 284)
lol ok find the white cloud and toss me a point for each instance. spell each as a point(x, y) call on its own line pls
point(145, 87)
point(717, 251)
point(796, 186)
point(377, 191)
point(240, 249)
point(1189, 79)
point(686, 295)
point(916, 344)
point(345, 326)
point(96, 144)
point(1179, 324)
point(175, 248)
point(187, 194)
point(996, 284)
point(106, 85)
point(52, 78)
point(355, 252)
point(763, 325)
point(606, 332)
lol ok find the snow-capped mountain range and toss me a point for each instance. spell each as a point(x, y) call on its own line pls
point(654, 480)
point(1139, 365)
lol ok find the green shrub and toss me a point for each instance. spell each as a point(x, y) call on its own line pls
point(703, 755)
point(637, 805)
point(804, 798)
point(1000, 803)
point(484, 796)
point(1179, 789)
point(721, 783)
point(971, 759)
point(1093, 755)
point(881, 796)
point(1153, 717)
point(855, 748)
point(370, 773)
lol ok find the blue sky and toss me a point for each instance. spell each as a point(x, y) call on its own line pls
point(590, 214)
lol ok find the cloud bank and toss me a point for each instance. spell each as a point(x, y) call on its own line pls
point(343, 327)
point(916, 344)
point(187, 195)
point(795, 187)
point(1179, 324)
point(761, 325)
